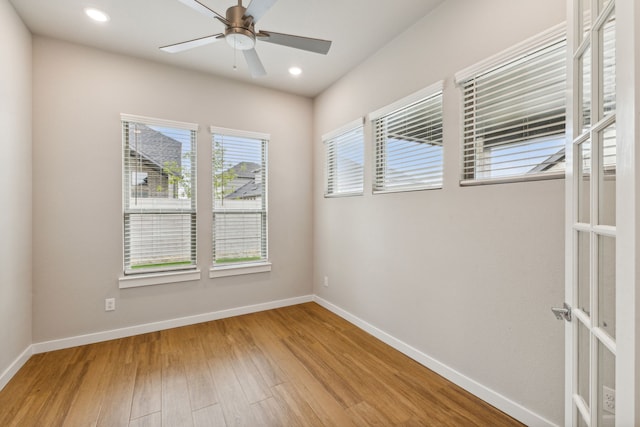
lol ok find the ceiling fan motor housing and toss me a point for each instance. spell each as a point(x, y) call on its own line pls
point(240, 33)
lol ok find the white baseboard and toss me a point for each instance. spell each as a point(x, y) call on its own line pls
point(15, 366)
point(43, 347)
point(499, 401)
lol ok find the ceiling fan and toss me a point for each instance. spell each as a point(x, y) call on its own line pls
point(241, 34)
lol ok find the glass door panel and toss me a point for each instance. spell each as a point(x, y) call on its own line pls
point(585, 16)
point(607, 177)
point(607, 39)
point(606, 386)
point(584, 363)
point(607, 285)
point(585, 90)
point(584, 182)
point(584, 272)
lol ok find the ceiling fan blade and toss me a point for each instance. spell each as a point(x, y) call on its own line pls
point(257, 8)
point(190, 44)
point(196, 5)
point(253, 61)
point(298, 42)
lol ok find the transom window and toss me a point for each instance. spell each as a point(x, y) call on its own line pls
point(344, 149)
point(408, 143)
point(514, 112)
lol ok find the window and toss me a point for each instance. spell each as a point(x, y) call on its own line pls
point(239, 197)
point(514, 112)
point(159, 195)
point(345, 160)
point(408, 143)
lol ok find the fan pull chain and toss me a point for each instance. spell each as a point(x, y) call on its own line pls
point(235, 54)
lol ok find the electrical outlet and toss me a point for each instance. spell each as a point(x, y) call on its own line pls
point(326, 282)
point(109, 304)
point(608, 400)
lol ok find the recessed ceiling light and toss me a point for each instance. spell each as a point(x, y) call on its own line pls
point(295, 71)
point(96, 15)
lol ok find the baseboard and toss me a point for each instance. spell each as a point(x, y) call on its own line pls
point(495, 399)
point(43, 347)
point(15, 367)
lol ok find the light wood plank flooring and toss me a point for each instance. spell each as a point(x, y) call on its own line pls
point(295, 366)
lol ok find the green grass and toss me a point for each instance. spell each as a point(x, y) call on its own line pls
point(161, 264)
point(232, 260)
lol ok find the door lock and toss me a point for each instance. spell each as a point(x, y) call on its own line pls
point(563, 313)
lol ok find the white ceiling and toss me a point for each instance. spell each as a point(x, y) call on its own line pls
point(358, 28)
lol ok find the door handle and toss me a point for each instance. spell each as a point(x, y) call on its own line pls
point(563, 313)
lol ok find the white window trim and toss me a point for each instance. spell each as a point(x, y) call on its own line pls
point(343, 129)
point(152, 121)
point(407, 100)
point(522, 48)
point(239, 133)
point(354, 124)
point(140, 280)
point(239, 269)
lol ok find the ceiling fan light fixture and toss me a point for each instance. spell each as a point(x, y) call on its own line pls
point(96, 15)
point(241, 39)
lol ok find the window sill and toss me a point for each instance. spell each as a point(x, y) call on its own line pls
point(239, 269)
point(512, 179)
point(135, 281)
point(338, 195)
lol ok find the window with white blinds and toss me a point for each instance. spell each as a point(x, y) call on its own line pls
point(514, 113)
point(239, 197)
point(408, 143)
point(344, 161)
point(159, 194)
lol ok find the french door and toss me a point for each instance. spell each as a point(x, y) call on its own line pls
point(591, 216)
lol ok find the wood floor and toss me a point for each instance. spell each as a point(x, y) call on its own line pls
point(295, 366)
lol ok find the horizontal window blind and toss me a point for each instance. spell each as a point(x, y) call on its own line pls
point(344, 160)
point(239, 197)
point(408, 144)
point(514, 116)
point(159, 200)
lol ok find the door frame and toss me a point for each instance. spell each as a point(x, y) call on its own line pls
point(628, 197)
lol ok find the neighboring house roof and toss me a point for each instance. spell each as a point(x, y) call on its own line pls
point(245, 180)
point(250, 190)
point(553, 162)
point(245, 170)
point(154, 146)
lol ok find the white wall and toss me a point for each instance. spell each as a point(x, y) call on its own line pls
point(464, 275)
point(79, 95)
point(15, 191)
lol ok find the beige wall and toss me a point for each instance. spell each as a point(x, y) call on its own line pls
point(464, 275)
point(15, 191)
point(79, 95)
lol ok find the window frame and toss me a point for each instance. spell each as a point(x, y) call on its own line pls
point(246, 267)
point(332, 142)
point(425, 94)
point(165, 274)
point(468, 177)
